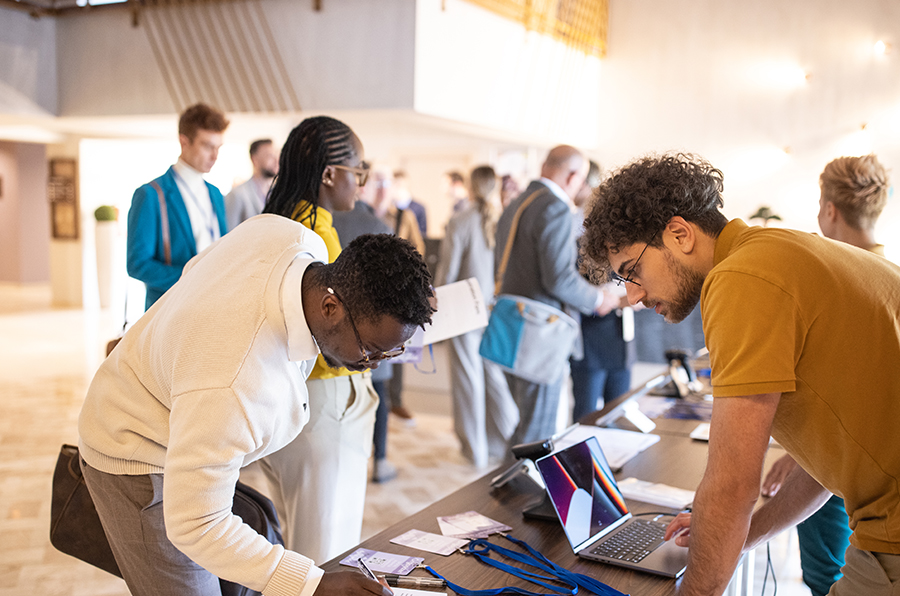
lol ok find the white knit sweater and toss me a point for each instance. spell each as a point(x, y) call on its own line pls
point(210, 379)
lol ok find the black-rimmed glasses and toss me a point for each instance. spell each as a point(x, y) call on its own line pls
point(629, 275)
point(361, 173)
point(366, 358)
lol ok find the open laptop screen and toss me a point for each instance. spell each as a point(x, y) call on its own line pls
point(583, 491)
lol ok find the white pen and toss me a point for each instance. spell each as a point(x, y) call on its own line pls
point(564, 432)
point(365, 569)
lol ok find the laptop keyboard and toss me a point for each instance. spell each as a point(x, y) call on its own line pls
point(633, 542)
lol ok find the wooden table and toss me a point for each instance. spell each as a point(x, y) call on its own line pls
point(676, 460)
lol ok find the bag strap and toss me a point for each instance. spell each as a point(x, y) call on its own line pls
point(164, 222)
point(511, 238)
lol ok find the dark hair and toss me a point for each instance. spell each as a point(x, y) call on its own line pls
point(858, 187)
point(455, 177)
point(255, 145)
point(637, 202)
point(201, 117)
point(381, 274)
point(313, 144)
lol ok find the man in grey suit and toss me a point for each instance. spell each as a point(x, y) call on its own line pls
point(542, 267)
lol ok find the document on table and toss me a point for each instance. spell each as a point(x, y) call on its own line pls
point(470, 525)
point(461, 309)
point(409, 592)
point(618, 445)
point(432, 543)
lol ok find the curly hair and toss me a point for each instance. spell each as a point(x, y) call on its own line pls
point(637, 202)
point(381, 274)
point(858, 187)
point(313, 145)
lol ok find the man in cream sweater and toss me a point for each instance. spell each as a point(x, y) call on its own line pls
point(213, 378)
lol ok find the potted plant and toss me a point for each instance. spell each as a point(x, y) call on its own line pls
point(765, 213)
point(106, 234)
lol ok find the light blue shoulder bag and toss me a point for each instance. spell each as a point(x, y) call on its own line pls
point(527, 338)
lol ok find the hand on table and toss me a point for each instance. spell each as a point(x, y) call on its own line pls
point(776, 476)
point(339, 583)
point(680, 529)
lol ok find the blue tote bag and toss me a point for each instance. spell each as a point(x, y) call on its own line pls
point(527, 338)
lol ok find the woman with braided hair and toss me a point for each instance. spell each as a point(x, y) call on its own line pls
point(318, 481)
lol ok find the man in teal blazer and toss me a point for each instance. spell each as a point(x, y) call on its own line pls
point(195, 209)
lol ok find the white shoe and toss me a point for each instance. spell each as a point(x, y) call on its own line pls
point(383, 470)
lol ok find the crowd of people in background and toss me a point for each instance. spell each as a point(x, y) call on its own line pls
point(321, 180)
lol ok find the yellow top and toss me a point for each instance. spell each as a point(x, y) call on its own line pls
point(819, 322)
point(325, 228)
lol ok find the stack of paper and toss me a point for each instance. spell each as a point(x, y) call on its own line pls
point(658, 494)
point(618, 445)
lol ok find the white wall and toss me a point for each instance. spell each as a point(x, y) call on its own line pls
point(476, 67)
point(714, 78)
point(352, 54)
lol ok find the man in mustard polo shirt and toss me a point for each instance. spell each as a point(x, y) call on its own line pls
point(854, 192)
point(804, 340)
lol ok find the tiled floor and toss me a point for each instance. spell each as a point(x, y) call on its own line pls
point(47, 358)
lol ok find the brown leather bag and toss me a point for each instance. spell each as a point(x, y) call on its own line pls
point(76, 530)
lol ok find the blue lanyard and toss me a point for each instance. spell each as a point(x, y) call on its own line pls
point(481, 550)
point(210, 221)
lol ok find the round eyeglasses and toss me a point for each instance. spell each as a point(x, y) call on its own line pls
point(375, 356)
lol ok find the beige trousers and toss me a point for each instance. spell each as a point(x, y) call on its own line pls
point(868, 574)
point(318, 481)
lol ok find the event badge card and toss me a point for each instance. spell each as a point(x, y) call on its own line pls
point(432, 543)
point(470, 525)
point(409, 592)
point(383, 562)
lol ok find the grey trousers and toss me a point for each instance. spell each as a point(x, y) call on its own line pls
point(484, 413)
point(131, 510)
point(868, 574)
point(538, 408)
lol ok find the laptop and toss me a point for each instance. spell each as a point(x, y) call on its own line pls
point(596, 519)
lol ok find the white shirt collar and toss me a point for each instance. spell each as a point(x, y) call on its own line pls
point(191, 176)
point(557, 190)
point(301, 343)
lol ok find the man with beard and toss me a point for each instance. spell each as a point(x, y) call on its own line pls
point(248, 199)
point(803, 335)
